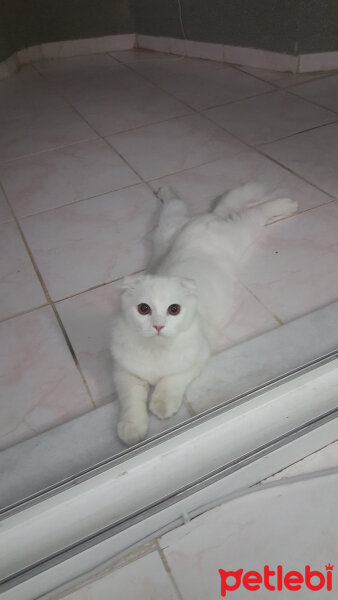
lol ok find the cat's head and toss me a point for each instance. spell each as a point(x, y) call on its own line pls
point(158, 306)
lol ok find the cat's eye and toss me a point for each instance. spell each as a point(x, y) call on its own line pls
point(144, 309)
point(174, 309)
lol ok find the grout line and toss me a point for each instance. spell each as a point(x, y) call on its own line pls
point(47, 210)
point(200, 112)
point(189, 407)
point(259, 150)
point(99, 135)
point(23, 312)
point(285, 75)
point(279, 321)
point(49, 300)
point(22, 156)
point(249, 146)
point(286, 137)
point(168, 571)
point(147, 183)
point(101, 571)
point(73, 353)
point(99, 285)
point(310, 101)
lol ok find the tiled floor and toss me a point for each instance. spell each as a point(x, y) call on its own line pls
point(83, 142)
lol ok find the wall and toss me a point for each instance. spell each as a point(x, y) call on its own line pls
point(29, 22)
point(290, 26)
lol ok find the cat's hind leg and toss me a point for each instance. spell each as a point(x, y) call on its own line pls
point(278, 209)
point(132, 393)
point(172, 218)
point(238, 199)
point(245, 228)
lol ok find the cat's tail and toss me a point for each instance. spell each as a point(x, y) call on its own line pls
point(172, 218)
point(239, 199)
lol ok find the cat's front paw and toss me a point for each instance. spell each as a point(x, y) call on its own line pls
point(163, 404)
point(132, 432)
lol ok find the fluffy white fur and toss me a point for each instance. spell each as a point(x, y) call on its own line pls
point(193, 264)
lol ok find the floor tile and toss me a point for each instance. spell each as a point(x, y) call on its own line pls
point(312, 154)
point(266, 74)
point(269, 117)
point(50, 179)
point(159, 71)
point(20, 287)
point(322, 91)
point(42, 130)
point(135, 56)
point(125, 108)
point(145, 578)
point(76, 64)
point(202, 88)
point(87, 319)
point(41, 386)
point(326, 458)
point(292, 268)
point(270, 355)
point(93, 241)
point(5, 213)
point(248, 319)
point(76, 80)
point(268, 526)
point(68, 449)
point(280, 78)
point(177, 144)
point(24, 93)
point(199, 186)
point(294, 79)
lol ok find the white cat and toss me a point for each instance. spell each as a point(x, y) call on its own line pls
point(169, 318)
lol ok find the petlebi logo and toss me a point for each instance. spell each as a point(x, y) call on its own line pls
point(276, 580)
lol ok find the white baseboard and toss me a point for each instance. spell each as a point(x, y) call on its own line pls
point(263, 59)
point(65, 49)
point(251, 57)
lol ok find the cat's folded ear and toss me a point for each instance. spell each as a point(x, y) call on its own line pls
point(130, 282)
point(188, 284)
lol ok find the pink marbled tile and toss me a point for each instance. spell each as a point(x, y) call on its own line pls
point(43, 129)
point(200, 83)
point(24, 93)
point(322, 91)
point(146, 574)
point(93, 241)
point(74, 79)
point(248, 319)
point(269, 117)
point(128, 107)
point(87, 320)
point(72, 65)
point(164, 148)
point(19, 284)
point(311, 154)
point(50, 179)
point(292, 269)
point(200, 185)
point(40, 385)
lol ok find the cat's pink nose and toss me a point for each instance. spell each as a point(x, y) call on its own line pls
point(158, 327)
